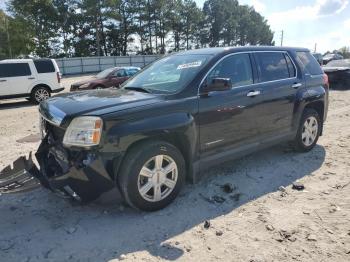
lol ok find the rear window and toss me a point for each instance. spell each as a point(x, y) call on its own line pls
point(132, 72)
point(14, 69)
point(272, 66)
point(309, 63)
point(44, 66)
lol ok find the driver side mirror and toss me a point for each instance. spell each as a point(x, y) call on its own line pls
point(217, 84)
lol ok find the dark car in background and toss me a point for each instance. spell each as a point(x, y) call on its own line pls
point(175, 119)
point(338, 72)
point(330, 57)
point(111, 77)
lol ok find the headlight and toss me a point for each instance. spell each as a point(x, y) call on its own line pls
point(84, 85)
point(83, 131)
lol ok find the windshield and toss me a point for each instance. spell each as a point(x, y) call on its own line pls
point(340, 63)
point(104, 73)
point(170, 74)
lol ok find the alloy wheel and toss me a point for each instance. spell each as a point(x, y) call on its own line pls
point(310, 131)
point(157, 178)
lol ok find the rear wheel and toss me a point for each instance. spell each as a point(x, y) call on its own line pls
point(309, 131)
point(152, 175)
point(40, 94)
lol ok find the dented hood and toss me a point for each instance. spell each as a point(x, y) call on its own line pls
point(92, 102)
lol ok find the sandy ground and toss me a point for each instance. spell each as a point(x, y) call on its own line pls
point(263, 219)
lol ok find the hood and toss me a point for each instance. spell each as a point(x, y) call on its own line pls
point(61, 108)
point(328, 69)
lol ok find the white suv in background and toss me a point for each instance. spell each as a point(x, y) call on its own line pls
point(33, 78)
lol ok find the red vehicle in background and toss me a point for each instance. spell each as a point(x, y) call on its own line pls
point(111, 77)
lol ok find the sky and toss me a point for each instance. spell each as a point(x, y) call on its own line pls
point(305, 23)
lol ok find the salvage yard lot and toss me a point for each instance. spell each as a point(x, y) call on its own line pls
point(263, 219)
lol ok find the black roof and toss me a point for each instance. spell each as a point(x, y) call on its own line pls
point(218, 50)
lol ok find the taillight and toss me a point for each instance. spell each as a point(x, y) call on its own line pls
point(58, 77)
point(325, 80)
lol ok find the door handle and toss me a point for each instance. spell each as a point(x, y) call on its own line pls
point(3, 80)
point(254, 93)
point(296, 85)
point(31, 78)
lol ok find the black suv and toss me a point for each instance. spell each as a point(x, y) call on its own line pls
point(178, 116)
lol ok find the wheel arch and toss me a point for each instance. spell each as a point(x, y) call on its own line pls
point(318, 106)
point(41, 85)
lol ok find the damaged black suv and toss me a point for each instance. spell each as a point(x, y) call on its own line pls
point(180, 115)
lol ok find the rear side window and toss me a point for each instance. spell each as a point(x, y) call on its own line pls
point(236, 67)
point(309, 63)
point(14, 69)
point(44, 66)
point(132, 72)
point(272, 66)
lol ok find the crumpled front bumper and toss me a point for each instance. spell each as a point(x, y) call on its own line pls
point(81, 175)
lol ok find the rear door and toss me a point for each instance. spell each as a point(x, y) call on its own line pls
point(48, 72)
point(227, 118)
point(118, 77)
point(15, 78)
point(279, 83)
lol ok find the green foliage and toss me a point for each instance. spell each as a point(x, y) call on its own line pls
point(66, 28)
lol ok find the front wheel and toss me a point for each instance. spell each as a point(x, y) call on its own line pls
point(152, 175)
point(309, 131)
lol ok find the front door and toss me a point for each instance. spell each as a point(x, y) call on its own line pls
point(227, 118)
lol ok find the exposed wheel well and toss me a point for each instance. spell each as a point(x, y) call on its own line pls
point(41, 85)
point(177, 140)
point(319, 107)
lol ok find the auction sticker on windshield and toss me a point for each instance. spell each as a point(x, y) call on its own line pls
point(190, 65)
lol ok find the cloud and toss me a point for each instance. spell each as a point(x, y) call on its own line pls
point(330, 7)
point(258, 6)
point(321, 8)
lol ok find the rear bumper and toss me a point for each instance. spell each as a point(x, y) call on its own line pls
point(58, 90)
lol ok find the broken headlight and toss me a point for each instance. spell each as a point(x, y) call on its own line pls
point(83, 131)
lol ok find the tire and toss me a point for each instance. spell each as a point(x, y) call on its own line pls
point(40, 94)
point(306, 139)
point(138, 190)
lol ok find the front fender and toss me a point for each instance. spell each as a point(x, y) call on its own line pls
point(121, 135)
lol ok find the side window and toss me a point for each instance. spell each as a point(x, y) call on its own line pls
point(132, 72)
point(309, 63)
point(14, 69)
point(44, 66)
point(272, 66)
point(291, 67)
point(120, 73)
point(236, 67)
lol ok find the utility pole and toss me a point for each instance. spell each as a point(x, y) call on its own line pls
point(315, 48)
point(282, 38)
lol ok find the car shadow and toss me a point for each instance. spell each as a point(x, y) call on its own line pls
point(13, 104)
point(106, 231)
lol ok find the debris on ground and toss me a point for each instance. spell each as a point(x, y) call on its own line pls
point(270, 227)
point(311, 237)
point(219, 233)
point(283, 235)
point(206, 224)
point(282, 189)
point(298, 186)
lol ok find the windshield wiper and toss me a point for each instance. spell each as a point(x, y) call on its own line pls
point(138, 89)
